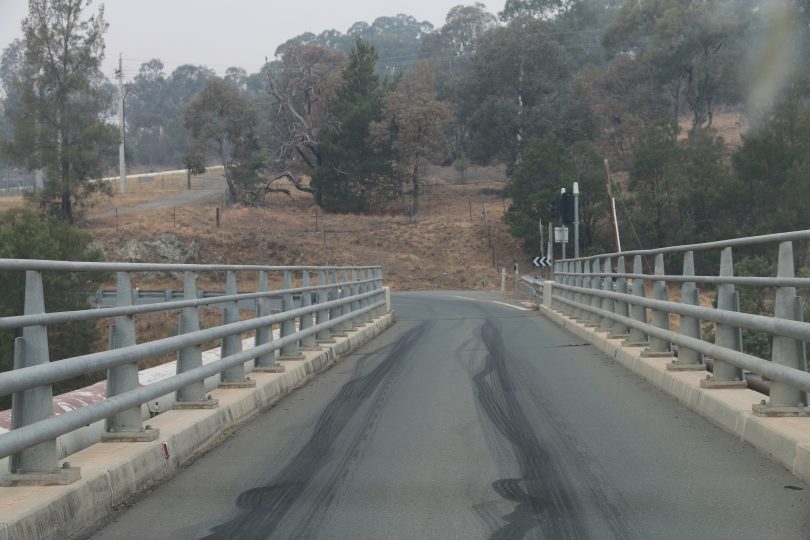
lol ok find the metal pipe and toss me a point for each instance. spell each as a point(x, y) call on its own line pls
point(720, 244)
point(53, 426)
point(774, 372)
point(60, 370)
point(720, 280)
point(80, 266)
point(761, 323)
point(20, 321)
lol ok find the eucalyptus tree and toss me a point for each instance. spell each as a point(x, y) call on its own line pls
point(62, 125)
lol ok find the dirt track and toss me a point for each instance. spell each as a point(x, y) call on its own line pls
point(208, 189)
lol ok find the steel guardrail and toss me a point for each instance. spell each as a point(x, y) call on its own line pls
point(343, 298)
point(598, 291)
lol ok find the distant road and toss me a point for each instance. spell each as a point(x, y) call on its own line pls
point(473, 419)
point(208, 189)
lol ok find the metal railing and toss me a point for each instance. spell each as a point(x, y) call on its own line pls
point(588, 290)
point(342, 299)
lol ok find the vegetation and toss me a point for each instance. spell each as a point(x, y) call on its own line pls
point(222, 118)
point(26, 235)
point(354, 176)
point(548, 88)
point(60, 103)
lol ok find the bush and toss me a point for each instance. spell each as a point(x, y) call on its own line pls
point(26, 235)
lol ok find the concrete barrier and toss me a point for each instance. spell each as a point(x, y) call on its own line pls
point(784, 440)
point(113, 472)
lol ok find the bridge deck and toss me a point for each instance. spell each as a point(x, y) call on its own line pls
point(471, 419)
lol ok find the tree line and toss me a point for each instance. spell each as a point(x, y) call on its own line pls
point(551, 88)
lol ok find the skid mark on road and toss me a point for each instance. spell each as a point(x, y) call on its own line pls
point(262, 509)
point(545, 495)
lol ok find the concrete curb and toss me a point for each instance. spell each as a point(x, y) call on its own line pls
point(113, 472)
point(784, 440)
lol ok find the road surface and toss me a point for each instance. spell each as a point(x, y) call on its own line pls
point(473, 419)
point(208, 189)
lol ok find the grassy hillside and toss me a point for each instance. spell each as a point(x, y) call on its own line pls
point(446, 246)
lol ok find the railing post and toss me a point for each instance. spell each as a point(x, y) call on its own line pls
point(193, 395)
point(308, 343)
point(364, 287)
point(38, 464)
point(593, 318)
point(638, 313)
point(346, 307)
point(371, 274)
point(335, 312)
point(378, 285)
point(577, 296)
point(233, 377)
point(356, 322)
point(584, 296)
point(785, 400)
point(620, 307)
point(659, 348)
point(323, 336)
point(606, 324)
point(290, 350)
point(726, 375)
point(126, 425)
point(265, 363)
point(567, 279)
point(688, 359)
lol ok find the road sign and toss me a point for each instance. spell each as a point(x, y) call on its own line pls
point(561, 235)
point(541, 261)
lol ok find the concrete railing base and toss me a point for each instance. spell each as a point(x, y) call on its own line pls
point(786, 440)
point(113, 472)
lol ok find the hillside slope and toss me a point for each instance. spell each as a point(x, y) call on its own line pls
point(446, 246)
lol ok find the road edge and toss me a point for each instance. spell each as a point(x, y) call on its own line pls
point(112, 473)
point(784, 440)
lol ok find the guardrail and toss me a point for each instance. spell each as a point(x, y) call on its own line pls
point(588, 290)
point(343, 298)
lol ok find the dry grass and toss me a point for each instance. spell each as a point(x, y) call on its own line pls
point(730, 126)
point(445, 246)
point(8, 202)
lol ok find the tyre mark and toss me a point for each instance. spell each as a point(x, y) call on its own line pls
point(262, 509)
point(607, 500)
point(547, 501)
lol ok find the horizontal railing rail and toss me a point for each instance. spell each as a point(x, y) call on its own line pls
point(720, 244)
point(344, 298)
point(82, 266)
point(20, 321)
point(28, 436)
point(599, 292)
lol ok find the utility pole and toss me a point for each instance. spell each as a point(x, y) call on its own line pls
point(576, 220)
point(613, 219)
point(565, 236)
point(122, 165)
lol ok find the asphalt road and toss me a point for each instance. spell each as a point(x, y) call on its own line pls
point(472, 419)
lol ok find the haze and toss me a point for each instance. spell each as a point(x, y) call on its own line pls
point(223, 34)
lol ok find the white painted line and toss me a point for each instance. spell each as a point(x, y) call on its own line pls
point(491, 301)
point(510, 305)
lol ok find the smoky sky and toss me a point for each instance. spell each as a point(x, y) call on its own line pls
point(221, 34)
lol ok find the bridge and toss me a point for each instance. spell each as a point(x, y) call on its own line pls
point(615, 400)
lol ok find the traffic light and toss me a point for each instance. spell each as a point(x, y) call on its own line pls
point(567, 208)
point(554, 208)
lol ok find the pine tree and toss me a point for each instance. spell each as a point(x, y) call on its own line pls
point(353, 175)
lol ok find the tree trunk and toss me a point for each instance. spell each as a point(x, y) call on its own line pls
point(415, 182)
point(66, 208)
